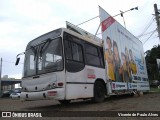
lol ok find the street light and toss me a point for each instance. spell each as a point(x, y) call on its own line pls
point(123, 18)
point(121, 13)
point(136, 8)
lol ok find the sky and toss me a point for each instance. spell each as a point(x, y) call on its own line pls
point(23, 20)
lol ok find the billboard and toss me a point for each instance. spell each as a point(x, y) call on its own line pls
point(124, 55)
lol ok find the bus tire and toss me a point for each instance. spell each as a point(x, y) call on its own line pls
point(132, 94)
point(99, 92)
point(64, 102)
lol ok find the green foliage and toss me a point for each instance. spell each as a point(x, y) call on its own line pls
point(151, 62)
point(155, 89)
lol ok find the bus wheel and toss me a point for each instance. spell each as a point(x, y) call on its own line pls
point(132, 94)
point(64, 102)
point(99, 92)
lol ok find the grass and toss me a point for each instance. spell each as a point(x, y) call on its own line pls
point(155, 90)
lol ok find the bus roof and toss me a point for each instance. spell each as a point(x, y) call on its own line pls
point(57, 32)
point(82, 37)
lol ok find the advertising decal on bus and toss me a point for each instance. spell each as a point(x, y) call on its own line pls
point(124, 56)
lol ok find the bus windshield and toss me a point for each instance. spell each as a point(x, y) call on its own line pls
point(43, 58)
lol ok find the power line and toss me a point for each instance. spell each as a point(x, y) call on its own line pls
point(148, 33)
point(11, 62)
point(87, 20)
point(155, 36)
point(149, 36)
point(146, 28)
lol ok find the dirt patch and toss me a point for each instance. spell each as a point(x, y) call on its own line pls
point(147, 102)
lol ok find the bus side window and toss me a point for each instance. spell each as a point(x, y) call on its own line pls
point(73, 55)
point(92, 55)
point(101, 56)
point(68, 50)
point(77, 52)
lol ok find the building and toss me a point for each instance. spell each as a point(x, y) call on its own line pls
point(8, 84)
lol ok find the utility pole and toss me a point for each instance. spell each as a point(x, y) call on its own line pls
point(157, 13)
point(0, 78)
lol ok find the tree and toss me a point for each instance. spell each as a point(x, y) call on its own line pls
point(151, 62)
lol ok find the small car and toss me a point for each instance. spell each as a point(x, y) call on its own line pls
point(15, 95)
point(6, 93)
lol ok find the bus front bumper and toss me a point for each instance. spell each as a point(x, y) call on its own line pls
point(57, 93)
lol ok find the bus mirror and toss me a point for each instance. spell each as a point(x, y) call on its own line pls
point(18, 58)
point(17, 61)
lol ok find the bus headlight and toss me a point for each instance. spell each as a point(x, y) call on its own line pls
point(51, 86)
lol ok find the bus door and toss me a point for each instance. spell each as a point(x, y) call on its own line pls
point(74, 65)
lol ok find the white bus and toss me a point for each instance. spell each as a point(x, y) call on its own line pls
point(70, 63)
point(64, 65)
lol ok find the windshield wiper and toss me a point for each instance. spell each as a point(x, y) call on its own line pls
point(35, 52)
point(42, 47)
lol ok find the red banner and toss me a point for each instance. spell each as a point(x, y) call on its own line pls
point(107, 22)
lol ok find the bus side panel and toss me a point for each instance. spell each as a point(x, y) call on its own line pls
point(94, 73)
point(75, 91)
point(81, 84)
point(75, 84)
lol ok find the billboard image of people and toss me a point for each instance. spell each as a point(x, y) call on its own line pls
point(109, 59)
point(123, 52)
point(132, 63)
point(117, 63)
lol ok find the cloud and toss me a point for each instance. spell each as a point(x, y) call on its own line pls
point(23, 20)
